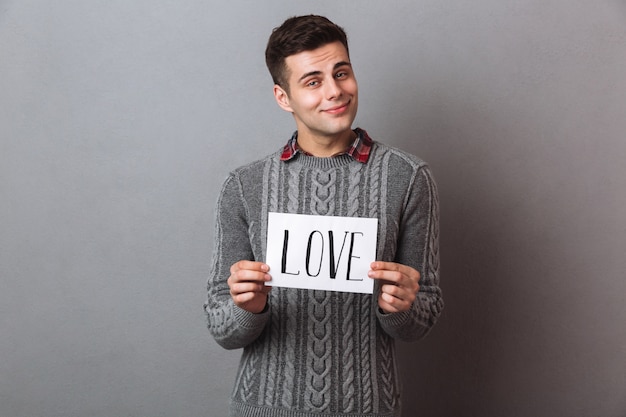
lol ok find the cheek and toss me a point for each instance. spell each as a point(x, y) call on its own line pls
point(307, 102)
point(353, 88)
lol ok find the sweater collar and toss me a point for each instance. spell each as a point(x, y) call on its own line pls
point(359, 150)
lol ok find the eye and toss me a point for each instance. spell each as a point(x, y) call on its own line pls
point(342, 75)
point(312, 83)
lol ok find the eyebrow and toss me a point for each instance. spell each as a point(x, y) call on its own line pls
point(337, 65)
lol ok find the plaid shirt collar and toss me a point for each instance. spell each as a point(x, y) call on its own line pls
point(359, 150)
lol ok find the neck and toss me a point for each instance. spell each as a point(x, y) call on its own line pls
point(325, 146)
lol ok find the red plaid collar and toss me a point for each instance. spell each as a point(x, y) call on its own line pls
point(359, 150)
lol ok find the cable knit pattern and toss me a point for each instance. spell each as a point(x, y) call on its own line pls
point(354, 190)
point(433, 247)
point(269, 386)
point(318, 398)
point(290, 355)
point(374, 178)
point(367, 395)
point(324, 192)
point(249, 377)
point(347, 355)
point(387, 374)
point(319, 353)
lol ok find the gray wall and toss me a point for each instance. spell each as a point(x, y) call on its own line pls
point(119, 120)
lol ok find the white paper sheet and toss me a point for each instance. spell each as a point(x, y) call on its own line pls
point(321, 252)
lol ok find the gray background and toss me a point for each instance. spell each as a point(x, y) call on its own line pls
point(120, 119)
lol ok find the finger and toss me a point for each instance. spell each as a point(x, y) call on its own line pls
point(393, 271)
point(394, 266)
point(241, 299)
point(389, 266)
point(393, 291)
point(386, 275)
point(244, 275)
point(245, 287)
point(401, 293)
point(396, 274)
point(249, 265)
point(391, 304)
point(393, 299)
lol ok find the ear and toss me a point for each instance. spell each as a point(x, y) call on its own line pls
point(282, 98)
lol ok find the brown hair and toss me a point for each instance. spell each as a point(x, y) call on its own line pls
point(295, 35)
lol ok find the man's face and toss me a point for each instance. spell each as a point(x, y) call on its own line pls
point(323, 92)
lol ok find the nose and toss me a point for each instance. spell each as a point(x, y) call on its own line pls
point(333, 90)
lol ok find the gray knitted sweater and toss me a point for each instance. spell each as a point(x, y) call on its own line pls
point(321, 353)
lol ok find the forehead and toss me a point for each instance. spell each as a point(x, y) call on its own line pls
point(321, 59)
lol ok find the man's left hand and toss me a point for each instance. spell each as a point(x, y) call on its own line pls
point(399, 285)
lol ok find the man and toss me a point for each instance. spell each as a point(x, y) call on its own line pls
point(313, 352)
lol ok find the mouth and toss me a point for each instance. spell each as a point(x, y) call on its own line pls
point(338, 109)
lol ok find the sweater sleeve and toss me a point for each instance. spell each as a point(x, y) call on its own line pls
point(231, 326)
point(418, 247)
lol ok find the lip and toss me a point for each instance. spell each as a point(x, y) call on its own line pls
point(338, 109)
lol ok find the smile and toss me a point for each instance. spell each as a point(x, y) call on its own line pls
point(338, 109)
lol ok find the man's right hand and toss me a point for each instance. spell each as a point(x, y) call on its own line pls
point(247, 285)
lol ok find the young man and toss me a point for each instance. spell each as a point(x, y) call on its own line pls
point(313, 352)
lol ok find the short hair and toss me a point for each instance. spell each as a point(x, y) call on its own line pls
point(298, 34)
